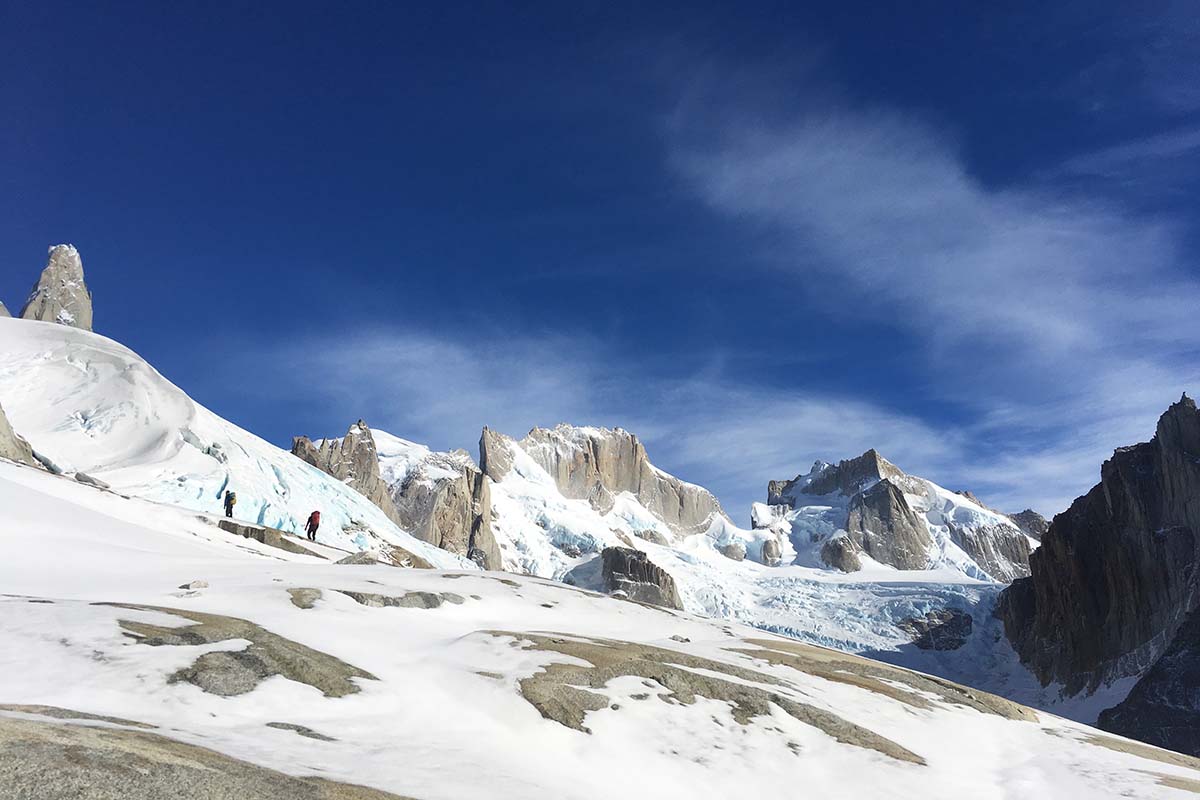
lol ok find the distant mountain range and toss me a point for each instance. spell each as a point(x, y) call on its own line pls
point(860, 555)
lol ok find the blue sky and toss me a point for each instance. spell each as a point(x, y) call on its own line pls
point(754, 235)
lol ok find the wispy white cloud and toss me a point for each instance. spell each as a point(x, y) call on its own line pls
point(442, 389)
point(1060, 326)
point(1122, 160)
point(1055, 327)
point(707, 426)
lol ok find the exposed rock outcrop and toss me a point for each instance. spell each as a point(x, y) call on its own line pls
point(4, 312)
point(596, 464)
point(352, 460)
point(43, 760)
point(945, 629)
point(1033, 524)
point(883, 525)
point(441, 498)
point(1164, 707)
point(1115, 575)
point(867, 507)
point(632, 572)
point(847, 478)
point(272, 537)
point(231, 673)
point(495, 454)
point(12, 446)
point(60, 294)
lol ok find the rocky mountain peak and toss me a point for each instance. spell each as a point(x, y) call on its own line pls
point(495, 453)
point(848, 477)
point(352, 459)
point(597, 464)
point(1179, 427)
point(871, 509)
point(61, 295)
point(1115, 575)
point(1033, 524)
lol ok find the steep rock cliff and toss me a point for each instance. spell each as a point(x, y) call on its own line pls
point(1031, 522)
point(594, 464)
point(60, 295)
point(442, 498)
point(1115, 575)
point(1164, 707)
point(353, 460)
point(868, 508)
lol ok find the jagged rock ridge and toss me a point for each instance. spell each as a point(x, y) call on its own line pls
point(1115, 576)
point(868, 508)
point(595, 464)
point(634, 574)
point(444, 499)
point(61, 295)
point(1031, 522)
point(353, 460)
point(441, 498)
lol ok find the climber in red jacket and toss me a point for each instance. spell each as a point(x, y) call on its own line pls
point(310, 527)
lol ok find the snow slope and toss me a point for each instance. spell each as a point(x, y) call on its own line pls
point(91, 405)
point(684, 707)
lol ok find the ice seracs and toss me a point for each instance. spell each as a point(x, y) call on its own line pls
point(866, 512)
point(60, 294)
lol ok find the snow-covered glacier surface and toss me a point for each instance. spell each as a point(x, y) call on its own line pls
point(88, 404)
point(450, 702)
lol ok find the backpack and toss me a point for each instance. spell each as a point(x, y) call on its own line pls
point(231, 497)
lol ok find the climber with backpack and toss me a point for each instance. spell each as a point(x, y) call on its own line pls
point(310, 527)
point(230, 500)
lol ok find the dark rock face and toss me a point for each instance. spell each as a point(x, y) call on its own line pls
point(1031, 523)
point(947, 629)
point(885, 527)
point(892, 517)
point(632, 572)
point(1164, 707)
point(1115, 575)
